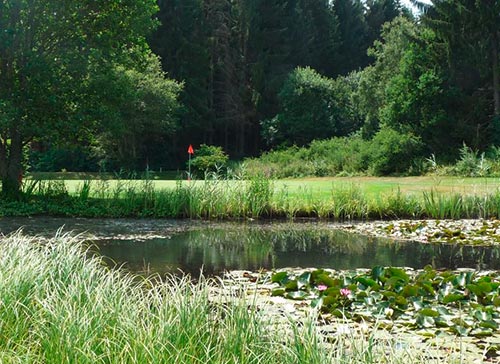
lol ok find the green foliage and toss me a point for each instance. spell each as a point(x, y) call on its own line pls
point(52, 55)
point(233, 199)
point(55, 159)
point(313, 107)
point(471, 164)
point(389, 152)
point(142, 110)
point(208, 159)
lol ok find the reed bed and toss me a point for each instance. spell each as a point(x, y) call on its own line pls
point(228, 199)
point(59, 304)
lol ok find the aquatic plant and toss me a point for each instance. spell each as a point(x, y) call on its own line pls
point(463, 302)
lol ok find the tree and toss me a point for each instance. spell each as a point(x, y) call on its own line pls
point(379, 12)
point(50, 53)
point(354, 35)
point(313, 107)
point(143, 109)
point(387, 52)
point(470, 31)
point(183, 43)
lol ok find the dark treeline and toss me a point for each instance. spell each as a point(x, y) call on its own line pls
point(267, 73)
point(129, 92)
point(234, 57)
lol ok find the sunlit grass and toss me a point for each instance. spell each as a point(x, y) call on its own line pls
point(321, 187)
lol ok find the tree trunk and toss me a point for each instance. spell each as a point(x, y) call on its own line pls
point(11, 167)
point(496, 77)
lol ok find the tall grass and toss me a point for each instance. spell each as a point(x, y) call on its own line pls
point(236, 199)
point(60, 305)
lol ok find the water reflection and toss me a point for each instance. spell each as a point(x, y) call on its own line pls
point(253, 247)
point(171, 246)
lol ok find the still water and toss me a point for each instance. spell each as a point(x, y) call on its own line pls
point(172, 246)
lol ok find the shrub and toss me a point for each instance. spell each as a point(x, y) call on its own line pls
point(392, 152)
point(471, 164)
point(208, 159)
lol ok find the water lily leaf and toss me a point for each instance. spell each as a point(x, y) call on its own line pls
point(400, 273)
point(490, 324)
point(346, 281)
point(378, 273)
point(304, 280)
point(329, 300)
point(480, 332)
point(460, 330)
point(475, 289)
point(428, 287)
point(388, 294)
point(291, 285)
point(459, 280)
point(361, 295)
point(424, 321)
point(443, 311)
point(326, 280)
point(453, 297)
point(429, 312)
point(367, 282)
point(278, 291)
point(279, 277)
point(496, 301)
point(417, 303)
point(443, 322)
point(410, 290)
point(296, 295)
point(395, 282)
point(485, 287)
point(401, 301)
point(376, 295)
point(332, 291)
point(482, 316)
point(316, 273)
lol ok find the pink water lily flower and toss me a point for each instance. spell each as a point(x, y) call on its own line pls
point(345, 292)
point(321, 287)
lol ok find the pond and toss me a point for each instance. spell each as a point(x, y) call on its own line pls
point(170, 246)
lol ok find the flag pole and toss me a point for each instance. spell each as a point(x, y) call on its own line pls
point(190, 151)
point(189, 167)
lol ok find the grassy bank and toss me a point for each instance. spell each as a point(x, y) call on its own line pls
point(60, 306)
point(260, 198)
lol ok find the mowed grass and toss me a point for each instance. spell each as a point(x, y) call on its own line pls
point(323, 187)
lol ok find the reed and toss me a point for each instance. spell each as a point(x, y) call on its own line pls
point(237, 199)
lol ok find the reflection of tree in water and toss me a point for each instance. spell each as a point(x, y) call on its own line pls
point(454, 256)
point(220, 247)
point(253, 247)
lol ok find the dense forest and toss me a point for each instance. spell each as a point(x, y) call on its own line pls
point(94, 87)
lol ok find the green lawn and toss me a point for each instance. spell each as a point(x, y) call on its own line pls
point(315, 187)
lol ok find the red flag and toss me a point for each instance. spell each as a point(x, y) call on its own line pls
point(190, 149)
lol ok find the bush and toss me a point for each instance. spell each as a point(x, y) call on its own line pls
point(209, 159)
point(392, 152)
